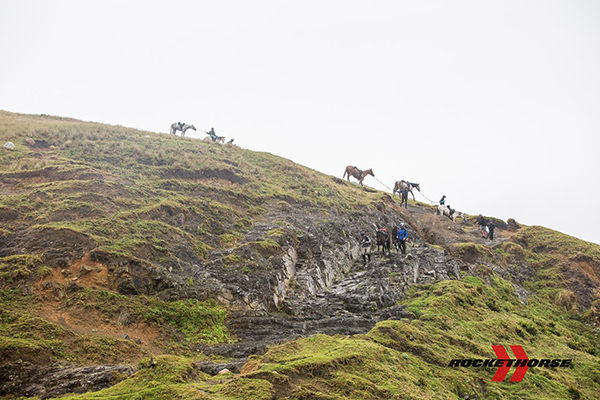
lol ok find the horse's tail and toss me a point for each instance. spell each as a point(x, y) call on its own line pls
point(345, 172)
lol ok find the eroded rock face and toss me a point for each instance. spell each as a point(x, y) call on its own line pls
point(315, 281)
point(33, 380)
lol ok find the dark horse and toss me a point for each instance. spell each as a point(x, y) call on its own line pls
point(357, 173)
point(383, 240)
point(395, 238)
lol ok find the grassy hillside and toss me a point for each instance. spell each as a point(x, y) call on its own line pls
point(107, 229)
point(104, 194)
point(404, 359)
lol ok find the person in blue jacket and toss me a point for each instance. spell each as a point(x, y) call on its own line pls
point(402, 236)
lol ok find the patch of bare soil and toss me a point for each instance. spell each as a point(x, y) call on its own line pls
point(6, 214)
point(84, 321)
point(84, 272)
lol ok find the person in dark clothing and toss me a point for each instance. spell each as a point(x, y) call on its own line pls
point(482, 222)
point(491, 226)
point(443, 200)
point(404, 199)
point(365, 247)
point(181, 124)
point(402, 236)
point(212, 134)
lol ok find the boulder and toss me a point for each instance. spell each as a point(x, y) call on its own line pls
point(512, 225)
point(9, 145)
point(85, 270)
point(30, 142)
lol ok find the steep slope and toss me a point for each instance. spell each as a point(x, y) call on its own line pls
point(118, 245)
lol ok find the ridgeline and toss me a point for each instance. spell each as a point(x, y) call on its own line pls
point(136, 265)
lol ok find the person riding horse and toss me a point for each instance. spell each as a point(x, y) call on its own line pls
point(212, 134)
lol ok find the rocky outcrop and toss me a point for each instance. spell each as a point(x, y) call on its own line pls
point(512, 225)
point(33, 380)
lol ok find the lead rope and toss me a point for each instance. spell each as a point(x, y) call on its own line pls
point(431, 201)
point(389, 188)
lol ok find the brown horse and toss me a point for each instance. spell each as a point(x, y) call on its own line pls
point(395, 238)
point(383, 240)
point(357, 173)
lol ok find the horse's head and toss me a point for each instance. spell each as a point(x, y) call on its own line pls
point(370, 172)
point(417, 186)
point(192, 127)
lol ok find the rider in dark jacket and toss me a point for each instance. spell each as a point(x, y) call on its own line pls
point(212, 134)
point(443, 200)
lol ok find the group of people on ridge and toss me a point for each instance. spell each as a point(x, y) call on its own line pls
point(366, 243)
point(485, 226)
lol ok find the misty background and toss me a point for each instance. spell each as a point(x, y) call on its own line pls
point(494, 104)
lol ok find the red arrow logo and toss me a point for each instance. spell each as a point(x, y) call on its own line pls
point(502, 371)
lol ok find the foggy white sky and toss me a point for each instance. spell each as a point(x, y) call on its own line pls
point(495, 104)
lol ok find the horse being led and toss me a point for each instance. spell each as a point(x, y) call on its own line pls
point(450, 213)
point(178, 126)
point(383, 240)
point(357, 173)
point(216, 139)
point(395, 238)
point(400, 185)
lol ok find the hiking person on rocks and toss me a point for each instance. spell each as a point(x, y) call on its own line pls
point(365, 247)
point(491, 226)
point(402, 236)
point(482, 222)
point(443, 200)
point(404, 199)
